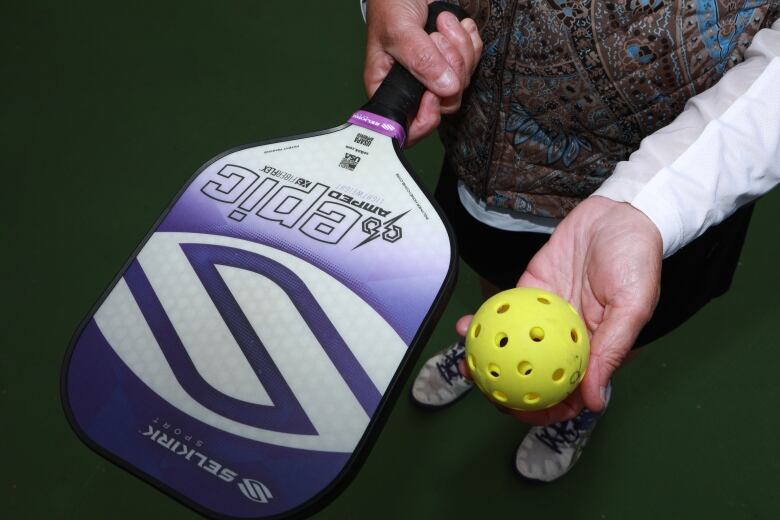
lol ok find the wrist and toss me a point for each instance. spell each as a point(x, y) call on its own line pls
point(635, 216)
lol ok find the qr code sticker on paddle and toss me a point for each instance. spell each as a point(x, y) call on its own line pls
point(349, 162)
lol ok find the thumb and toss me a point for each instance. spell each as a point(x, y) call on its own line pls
point(611, 342)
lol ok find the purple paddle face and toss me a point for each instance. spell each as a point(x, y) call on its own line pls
point(245, 354)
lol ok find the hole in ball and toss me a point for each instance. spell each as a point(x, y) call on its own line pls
point(494, 370)
point(558, 375)
point(501, 340)
point(543, 300)
point(500, 396)
point(532, 398)
point(537, 334)
point(574, 336)
point(471, 363)
point(477, 330)
point(524, 368)
point(503, 308)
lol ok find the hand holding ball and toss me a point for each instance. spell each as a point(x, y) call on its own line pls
point(527, 349)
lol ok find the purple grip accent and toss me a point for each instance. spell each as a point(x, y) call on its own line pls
point(379, 124)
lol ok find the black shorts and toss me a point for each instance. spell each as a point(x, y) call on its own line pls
point(690, 278)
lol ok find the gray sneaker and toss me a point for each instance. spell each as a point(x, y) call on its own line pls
point(549, 452)
point(439, 382)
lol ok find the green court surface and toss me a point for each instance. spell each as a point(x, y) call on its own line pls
point(108, 108)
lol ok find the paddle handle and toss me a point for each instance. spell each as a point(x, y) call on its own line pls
point(398, 96)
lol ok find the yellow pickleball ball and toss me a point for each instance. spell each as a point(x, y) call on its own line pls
point(527, 349)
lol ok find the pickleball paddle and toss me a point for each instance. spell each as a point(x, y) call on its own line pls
point(244, 358)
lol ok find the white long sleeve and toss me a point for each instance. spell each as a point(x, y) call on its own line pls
point(722, 151)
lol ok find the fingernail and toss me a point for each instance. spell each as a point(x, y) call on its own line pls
point(446, 80)
point(450, 20)
point(603, 395)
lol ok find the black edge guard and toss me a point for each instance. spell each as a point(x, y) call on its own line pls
point(398, 96)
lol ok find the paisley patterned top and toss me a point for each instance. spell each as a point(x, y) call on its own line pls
point(568, 88)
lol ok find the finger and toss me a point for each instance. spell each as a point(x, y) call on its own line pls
point(450, 104)
point(377, 65)
point(611, 342)
point(462, 325)
point(426, 120)
point(416, 51)
point(476, 41)
point(463, 368)
point(568, 409)
point(451, 29)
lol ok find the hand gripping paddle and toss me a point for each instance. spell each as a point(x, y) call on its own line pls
point(246, 355)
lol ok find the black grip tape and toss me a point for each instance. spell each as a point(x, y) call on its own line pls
point(398, 96)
